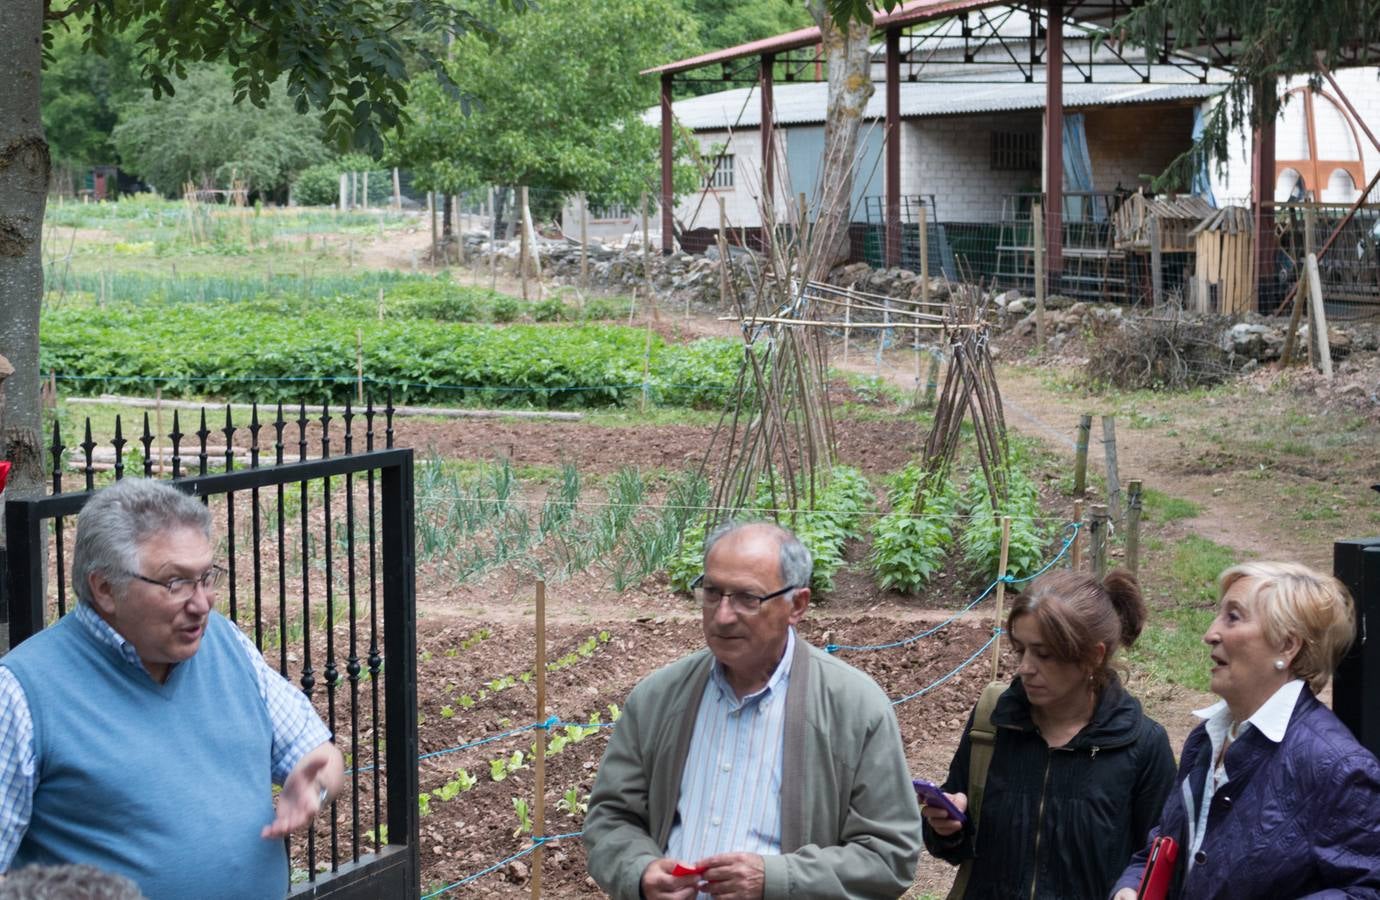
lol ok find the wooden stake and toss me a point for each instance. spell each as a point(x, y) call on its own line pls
point(524, 249)
point(924, 279)
point(646, 240)
point(397, 190)
point(1037, 229)
point(380, 304)
point(359, 355)
point(493, 243)
point(1080, 458)
point(1133, 508)
point(1113, 481)
point(431, 213)
point(1001, 595)
point(847, 324)
point(158, 422)
point(584, 241)
point(723, 253)
point(932, 380)
point(646, 364)
point(1156, 262)
point(1319, 323)
point(1076, 548)
point(539, 788)
point(1099, 540)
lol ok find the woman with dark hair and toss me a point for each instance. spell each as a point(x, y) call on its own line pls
point(1077, 772)
point(1274, 796)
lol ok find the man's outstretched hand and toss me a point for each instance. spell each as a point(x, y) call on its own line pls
point(301, 798)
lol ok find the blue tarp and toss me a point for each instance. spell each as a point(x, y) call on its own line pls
point(1078, 170)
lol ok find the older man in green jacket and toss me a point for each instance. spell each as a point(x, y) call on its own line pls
point(759, 767)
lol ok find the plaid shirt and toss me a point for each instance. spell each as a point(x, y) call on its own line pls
point(297, 729)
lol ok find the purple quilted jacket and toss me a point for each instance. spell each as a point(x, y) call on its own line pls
point(1297, 819)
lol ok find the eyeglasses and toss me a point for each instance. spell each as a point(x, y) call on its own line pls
point(182, 589)
point(740, 601)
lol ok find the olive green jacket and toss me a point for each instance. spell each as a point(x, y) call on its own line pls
point(849, 818)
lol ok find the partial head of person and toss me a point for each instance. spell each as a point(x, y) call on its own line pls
point(1066, 628)
point(143, 562)
point(1276, 621)
point(67, 882)
point(755, 586)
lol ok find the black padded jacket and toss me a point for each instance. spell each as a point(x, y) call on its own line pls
point(1060, 823)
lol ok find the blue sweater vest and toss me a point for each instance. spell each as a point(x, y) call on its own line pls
point(167, 784)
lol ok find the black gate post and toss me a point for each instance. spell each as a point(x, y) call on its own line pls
point(400, 659)
point(1356, 688)
point(24, 544)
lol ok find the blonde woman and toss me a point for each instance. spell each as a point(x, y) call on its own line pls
point(1274, 796)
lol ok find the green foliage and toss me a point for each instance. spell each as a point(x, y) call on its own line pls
point(571, 804)
point(523, 816)
point(907, 548)
point(558, 102)
point(319, 185)
point(728, 23)
point(835, 518)
point(823, 530)
point(200, 135)
point(246, 352)
point(351, 59)
point(82, 92)
point(981, 538)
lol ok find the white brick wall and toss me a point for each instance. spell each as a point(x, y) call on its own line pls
point(1334, 140)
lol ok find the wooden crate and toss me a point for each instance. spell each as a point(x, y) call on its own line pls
point(1177, 216)
point(1222, 273)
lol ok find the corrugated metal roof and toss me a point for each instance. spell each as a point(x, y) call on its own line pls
point(906, 14)
point(805, 103)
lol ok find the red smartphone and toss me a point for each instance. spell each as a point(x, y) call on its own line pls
point(1159, 869)
point(931, 795)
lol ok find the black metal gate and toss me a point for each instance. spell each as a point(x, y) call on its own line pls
point(322, 576)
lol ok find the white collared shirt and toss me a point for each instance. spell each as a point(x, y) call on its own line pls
point(1271, 719)
point(730, 791)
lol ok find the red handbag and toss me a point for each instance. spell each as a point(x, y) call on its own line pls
point(1159, 869)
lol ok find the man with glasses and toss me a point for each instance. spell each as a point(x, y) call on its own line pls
point(142, 733)
point(759, 767)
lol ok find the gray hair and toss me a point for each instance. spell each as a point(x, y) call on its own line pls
point(797, 567)
point(119, 519)
point(67, 882)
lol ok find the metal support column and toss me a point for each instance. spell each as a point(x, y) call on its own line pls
point(893, 147)
point(768, 132)
point(668, 239)
point(1262, 196)
point(1054, 143)
point(1356, 689)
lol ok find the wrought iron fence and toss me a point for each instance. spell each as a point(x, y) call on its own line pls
point(324, 577)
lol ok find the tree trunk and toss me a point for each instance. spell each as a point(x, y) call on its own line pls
point(23, 192)
point(850, 87)
point(24, 169)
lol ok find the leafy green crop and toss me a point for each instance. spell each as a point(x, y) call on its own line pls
point(907, 549)
point(981, 538)
point(244, 352)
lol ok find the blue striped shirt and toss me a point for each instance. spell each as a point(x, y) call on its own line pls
point(297, 729)
point(730, 791)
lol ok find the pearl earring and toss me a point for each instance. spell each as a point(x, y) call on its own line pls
point(1279, 665)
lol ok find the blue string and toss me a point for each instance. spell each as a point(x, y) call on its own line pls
point(536, 842)
point(1074, 527)
point(834, 648)
point(959, 668)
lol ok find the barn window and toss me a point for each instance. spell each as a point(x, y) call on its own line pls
point(722, 174)
point(1015, 151)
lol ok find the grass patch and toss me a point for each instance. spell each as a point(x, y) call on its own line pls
point(1194, 568)
point(1171, 648)
point(1161, 507)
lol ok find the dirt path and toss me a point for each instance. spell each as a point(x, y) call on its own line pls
point(1229, 514)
